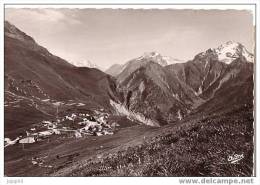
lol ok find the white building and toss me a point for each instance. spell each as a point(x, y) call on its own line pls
point(10, 142)
point(46, 133)
point(27, 140)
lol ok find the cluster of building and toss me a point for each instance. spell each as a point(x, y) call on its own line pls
point(74, 125)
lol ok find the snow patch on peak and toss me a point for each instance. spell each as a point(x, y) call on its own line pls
point(230, 51)
point(158, 58)
point(153, 56)
point(86, 64)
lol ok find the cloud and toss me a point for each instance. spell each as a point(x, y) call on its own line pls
point(49, 15)
point(52, 16)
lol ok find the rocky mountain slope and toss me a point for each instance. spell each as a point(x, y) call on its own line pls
point(33, 71)
point(208, 74)
point(33, 75)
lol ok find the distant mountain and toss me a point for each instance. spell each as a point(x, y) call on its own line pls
point(158, 58)
point(155, 57)
point(88, 64)
point(116, 69)
point(134, 64)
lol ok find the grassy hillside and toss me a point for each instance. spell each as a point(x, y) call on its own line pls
point(196, 148)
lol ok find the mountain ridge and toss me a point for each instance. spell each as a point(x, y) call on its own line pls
point(193, 83)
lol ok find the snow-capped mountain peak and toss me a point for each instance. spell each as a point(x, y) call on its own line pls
point(230, 51)
point(153, 56)
point(158, 58)
point(86, 64)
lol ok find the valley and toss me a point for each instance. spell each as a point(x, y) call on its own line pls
point(152, 116)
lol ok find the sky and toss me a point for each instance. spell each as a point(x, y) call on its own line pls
point(109, 36)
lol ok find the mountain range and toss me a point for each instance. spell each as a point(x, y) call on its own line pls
point(166, 92)
point(155, 87)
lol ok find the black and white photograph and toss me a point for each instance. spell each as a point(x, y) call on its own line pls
point(129, 92)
